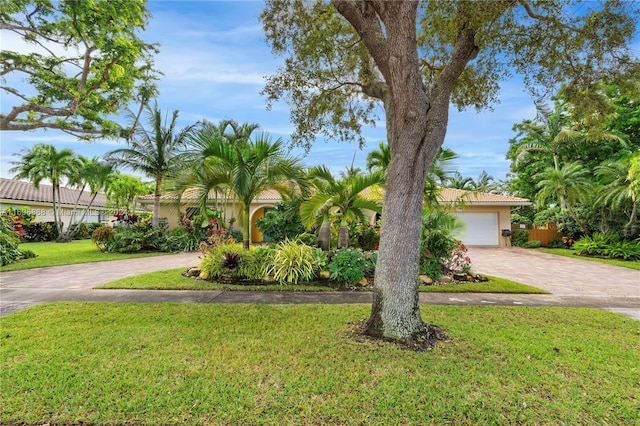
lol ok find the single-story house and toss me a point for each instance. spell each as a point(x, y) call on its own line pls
point(485, 215)
point(20, 194)
point(171, 205)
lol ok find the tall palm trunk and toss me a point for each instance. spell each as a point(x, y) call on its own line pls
point(156, 202)
point(246, 223)
point(324, 236)
point(343, 235)
point(628, 227)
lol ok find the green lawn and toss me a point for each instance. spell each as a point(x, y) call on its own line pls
point(156, 364)
point(572, 253)
point(173, 279)
point(79, 251)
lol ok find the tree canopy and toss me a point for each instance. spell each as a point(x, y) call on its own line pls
point(73, 64)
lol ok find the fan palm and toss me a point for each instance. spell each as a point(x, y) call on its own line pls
point(45, 162)
point(343, 195)
point(153, 150)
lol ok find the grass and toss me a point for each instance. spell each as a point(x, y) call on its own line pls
point(78, 251)
point(172, 279)
point(571, 253)
point(156, 364)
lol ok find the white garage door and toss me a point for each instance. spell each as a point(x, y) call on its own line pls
point(481, 229)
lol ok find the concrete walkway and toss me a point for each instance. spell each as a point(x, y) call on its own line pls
point(572, 282)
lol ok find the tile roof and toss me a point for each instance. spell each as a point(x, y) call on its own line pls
point(446, 196)
point(193, 194)
point(11, 189)
point(452, 195)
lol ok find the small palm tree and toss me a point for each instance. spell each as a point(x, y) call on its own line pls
point(94, 175)
point(153, 151)
point(551, 131)
point(617, 189)
point(344, 195)
point(45, 162)
point(245, 167)
point(567, 186)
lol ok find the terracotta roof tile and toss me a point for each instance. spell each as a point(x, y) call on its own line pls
point(452, 195)
point(192, 194)
point(11, 189)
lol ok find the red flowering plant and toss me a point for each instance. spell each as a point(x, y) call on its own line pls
point(19, 218)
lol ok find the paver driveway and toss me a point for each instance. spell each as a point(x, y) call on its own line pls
point(562, 276)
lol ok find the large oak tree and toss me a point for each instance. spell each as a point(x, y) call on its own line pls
point(70, 64)
point(416, 58)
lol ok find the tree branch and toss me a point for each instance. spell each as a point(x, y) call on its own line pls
point(364, 19)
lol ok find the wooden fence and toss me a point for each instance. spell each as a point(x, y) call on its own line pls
point(544, 234)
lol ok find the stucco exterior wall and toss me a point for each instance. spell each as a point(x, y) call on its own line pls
point(504, 219)
point(44, 212)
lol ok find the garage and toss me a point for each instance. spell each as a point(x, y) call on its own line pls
point(481, 228)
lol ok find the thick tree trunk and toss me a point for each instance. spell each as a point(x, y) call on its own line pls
point(416, 126)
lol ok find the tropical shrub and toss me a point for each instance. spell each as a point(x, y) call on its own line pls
point(348, 265)
point(367, 237)
point(100, 236)
point(626, 250)
point(608, 245)
point(134, 238)
point(309, 239)
point(437, 242)
point(282, 222)
point(557, 243)
point(292, 262)
point(595, 244)
point(213, 264)
point(255, 263)
point(519, 237)
point(40, 231)
point(9, 251)
point(532, 244)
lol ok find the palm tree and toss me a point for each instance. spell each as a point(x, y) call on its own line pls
point(153, 151)
point(458, 181)
point(45, 162)
point(245, 167)
point(551, 131)
point(566, 185)
point(93, 174)
point(617, 189)
point(379, 159)
point(343, 195)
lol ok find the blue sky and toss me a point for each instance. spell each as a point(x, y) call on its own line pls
point(214, 59)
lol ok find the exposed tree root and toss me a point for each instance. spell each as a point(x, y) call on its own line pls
point(424, 340)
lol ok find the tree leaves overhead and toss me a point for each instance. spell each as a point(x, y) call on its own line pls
point(75, 63)
point(331, 82)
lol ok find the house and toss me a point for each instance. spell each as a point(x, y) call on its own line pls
point(20, 194)
point(172, 205)
point(484, 215)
